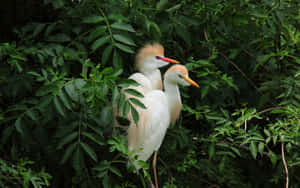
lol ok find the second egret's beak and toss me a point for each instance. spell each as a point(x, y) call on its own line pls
point(190, 81)
point(169, 60)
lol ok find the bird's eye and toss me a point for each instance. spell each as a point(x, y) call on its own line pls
point(180, 76)
point(157, 57)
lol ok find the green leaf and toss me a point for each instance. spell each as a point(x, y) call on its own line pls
point(115, 171)
point(137, 102)
point(126, 108)
point(211, 150)
point(106, 115)
point(222, 164)
point(30, 113)
point(99, 42)
point(124, 48)
point(115, 95)
point(93, 19)
point(157, 33)
point(204, 91)
point(135, 115)
point(50, 28)
point(253, 149)
point(58, 106)
point(261, 146)
point(267, 132)
point(122, 26)
point(117, 17)
point(161, 4)
point(61, 37)
point(18, 125)
point(38, 29)
point(64, 99)
point(121, 102)
point(235, 151)
point(67, 139)
point(128, 82)
point(72, 88)
point(106, 54)
point(105, 182)
point(134, 93)
point(273, 157)
point(92, 137)
point(89, 151)
point(117, 61)
point(174, 8)
point(70, 149)
point(96, 33)
point(124, 39)
point(77, 160)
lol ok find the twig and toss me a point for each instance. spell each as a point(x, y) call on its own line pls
point(243, 74)
point(251, 55)
point(245, 125)
point(285, 165)
point(231, 62)
point(205, 36)
point(268, 109)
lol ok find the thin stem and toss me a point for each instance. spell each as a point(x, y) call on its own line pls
point(154, 169)
point(285, 165)
point(106, 21)
point(243, 74)
point(268, 109)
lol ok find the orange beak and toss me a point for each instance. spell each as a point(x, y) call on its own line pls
point(190, 81)
point(169, 60)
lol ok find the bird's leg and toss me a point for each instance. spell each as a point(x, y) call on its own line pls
point(154, 168)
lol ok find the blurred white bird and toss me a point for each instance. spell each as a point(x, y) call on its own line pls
point(163, 108)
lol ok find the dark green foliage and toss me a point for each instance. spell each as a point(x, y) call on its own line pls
point(61, 77)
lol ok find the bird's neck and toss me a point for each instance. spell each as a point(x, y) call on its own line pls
point(174, 99)
point(155, 78)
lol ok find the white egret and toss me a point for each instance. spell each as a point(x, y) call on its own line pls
point(148, 61)
point(163, 108)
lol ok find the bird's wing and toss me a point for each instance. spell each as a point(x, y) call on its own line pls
point(152, 125)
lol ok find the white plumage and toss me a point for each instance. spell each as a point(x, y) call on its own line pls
point(148, 61)
point(162, 107)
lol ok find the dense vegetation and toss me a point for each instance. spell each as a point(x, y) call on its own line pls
point(64, 64)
